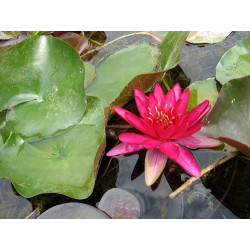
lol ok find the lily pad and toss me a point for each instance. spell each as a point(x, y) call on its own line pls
point(5, 35)
point(120, 204)
point(73, 210)
point(235, 62)
point(203, 90)
point(144, 82)
point(1, 142)
point(46, 77)
point(61, 164)
point(120, 68)
point(12, 206)
point(207, 36)
point(229, 120)
point(94, 115)
point(171, 48)
point(36, 33)
point(78, 42)
point(89, 74)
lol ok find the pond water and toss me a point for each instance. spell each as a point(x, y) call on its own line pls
point(221, 193)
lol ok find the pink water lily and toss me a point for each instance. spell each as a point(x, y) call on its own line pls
point(168, 130)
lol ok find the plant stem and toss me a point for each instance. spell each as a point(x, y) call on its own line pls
point(204, 171)
point(166, 85)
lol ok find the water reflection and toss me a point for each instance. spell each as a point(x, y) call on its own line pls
point(12, 206)
point(194, 202)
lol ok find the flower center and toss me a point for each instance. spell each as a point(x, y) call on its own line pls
point(164, 117)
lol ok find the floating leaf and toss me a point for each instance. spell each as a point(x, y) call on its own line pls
point(73, 210)
point(6, 44)
point(46, 77)
point(144, 82)
point(229, 120)
point(120, 68)
point(198, 62)
point(235, 62)
point(12, 206)
point(120, 204)
point(78, 42)
point(36, 33)
point(89, 74)
point(61, 164)
point(203, 90)
point(5, 35)
point(207, 36)
point(162, 33)
point(171, 48)
point(1, 142)
point(94, 115)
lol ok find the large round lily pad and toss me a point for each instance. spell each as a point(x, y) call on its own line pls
point(42, 81)
point(235, 62)
point(229, 120)
point(120, 68)
point(207, 36)
point(73, 210)
point(200, 91)
point(120, 204)
point(61, 164)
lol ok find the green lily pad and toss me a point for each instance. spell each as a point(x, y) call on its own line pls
point(203, 90)
point(5, 35)
point(229, 119)
point(207, 36)
point(46, 77)
point(162, 33)
point(73, 210)
point(89, 73)
point(60, 164)
point(12, 206)
point(171, 48)
point(94, 115)
point(120, 68)
point(235, 62)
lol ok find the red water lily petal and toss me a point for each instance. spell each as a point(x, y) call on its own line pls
point(121, 112)
point(159, 95)
point(141, 108)
point(205, 111)
point(169, 101)
point(182, 156)
point(188, 131)
point(151, 143)
point(155, 162)
point(124, 148)
point(193, 116)
point(140, 95)
point(177, 91)
point(181, 105)
point(153, 104)
point(200, 141)
point(139, 124)
point(134, 138)
point(169, 132)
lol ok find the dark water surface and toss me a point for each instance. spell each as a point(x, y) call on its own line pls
point(222, 193)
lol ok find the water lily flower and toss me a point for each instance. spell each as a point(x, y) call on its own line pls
point(167, 131)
